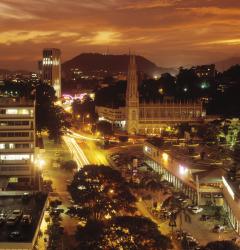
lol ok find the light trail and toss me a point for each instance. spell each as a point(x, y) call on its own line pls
point(76, 151)
point(79, 136)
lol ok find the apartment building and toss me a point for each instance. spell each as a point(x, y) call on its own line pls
point(17, 141)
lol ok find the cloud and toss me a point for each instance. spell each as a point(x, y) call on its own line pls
point(22, 36)
point(190, 30)
point(151, 4)
point(10, 12)
point(231, 42)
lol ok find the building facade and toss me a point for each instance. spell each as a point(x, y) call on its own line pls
point(51, 69)
point(112, 115)
point(200, 180)
point(17, 141)
point(151, 118)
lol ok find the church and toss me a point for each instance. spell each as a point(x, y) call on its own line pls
point(150, 118)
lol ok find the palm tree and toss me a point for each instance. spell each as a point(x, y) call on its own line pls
point(178, 211)
point(153, 183)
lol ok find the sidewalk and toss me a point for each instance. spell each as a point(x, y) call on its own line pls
point(163, 226)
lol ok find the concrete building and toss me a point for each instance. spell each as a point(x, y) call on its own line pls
point(231, 192)
point(113, 115)
point(198, 178)
point(151, 118)
point(203, 180)
point(51, 69)
point(17, 141)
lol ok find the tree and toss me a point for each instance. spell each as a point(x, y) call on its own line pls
point(57, 123)
point(90, 235)
point(187, 83)
point(104, 127)
point(101, 192)
point(221, 245)
point(180, 210)
point(182, 128)
point(45, 97)
point(85, 109)
point(123, 232)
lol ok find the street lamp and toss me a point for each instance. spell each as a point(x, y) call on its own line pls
point(40, 164)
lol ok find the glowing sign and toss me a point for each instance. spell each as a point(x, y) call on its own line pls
point(229, 189)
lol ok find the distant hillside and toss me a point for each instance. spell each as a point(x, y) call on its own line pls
point(112, 63)
point(227, 63)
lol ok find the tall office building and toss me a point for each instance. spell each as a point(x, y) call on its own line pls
point(17, 142)
point(51, 69)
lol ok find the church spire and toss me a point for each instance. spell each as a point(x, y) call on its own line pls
point(132, 95)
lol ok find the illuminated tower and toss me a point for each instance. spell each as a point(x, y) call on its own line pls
point(51, 69)
point(132, 98)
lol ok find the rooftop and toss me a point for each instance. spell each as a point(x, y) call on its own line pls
point(196, 154)
point(208, 162)
point(15, 102)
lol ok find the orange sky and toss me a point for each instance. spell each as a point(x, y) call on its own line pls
point(168, 32)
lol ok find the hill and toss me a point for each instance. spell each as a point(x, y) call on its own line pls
point(227, 63)
point(88, 62)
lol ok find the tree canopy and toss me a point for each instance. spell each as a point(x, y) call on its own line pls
point(122, 232)
point(221, 245)
point(101, 192)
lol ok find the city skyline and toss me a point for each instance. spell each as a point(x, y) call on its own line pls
point(169, 33)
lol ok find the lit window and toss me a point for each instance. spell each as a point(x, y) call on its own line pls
point(2, 146)
point(14, 157)
point(24, 111)
point(11, 111)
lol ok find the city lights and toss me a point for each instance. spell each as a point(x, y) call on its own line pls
point(165, 157)
point(183, 170)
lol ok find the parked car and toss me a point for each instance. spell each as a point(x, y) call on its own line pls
point(204, 217)
point(197, 210)
point(26, 219)
point(12, 220)
point(18, 213)
point(2, 218)
point(15, 236)
point(218, 229)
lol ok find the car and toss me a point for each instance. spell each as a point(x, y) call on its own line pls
point(18, 213)
point(26, 219)
point(2, 218)
point(12, 220)
point(218, 229)
point(197, 210)
point(15, 236)
point(204, 217)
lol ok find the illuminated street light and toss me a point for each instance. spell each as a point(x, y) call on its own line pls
point(165, 157)
point(111, 191)
point(40, 163)
point(183, 170)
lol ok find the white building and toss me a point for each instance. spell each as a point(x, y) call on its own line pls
point(51, 69)
point(17, 141)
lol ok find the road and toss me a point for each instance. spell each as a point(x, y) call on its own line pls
point(76, 151)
